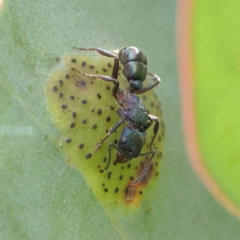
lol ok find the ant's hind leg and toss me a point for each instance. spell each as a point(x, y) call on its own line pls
point(106, 54)
point(99, 50)
point(156, 82)
point(102, 77)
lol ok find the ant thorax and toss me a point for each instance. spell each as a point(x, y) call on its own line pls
point(127, 100)
point(135, 113)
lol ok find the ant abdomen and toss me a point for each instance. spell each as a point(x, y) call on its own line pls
point(134, 64)
point(128, 54)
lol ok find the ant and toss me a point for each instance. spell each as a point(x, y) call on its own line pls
point(132, 109)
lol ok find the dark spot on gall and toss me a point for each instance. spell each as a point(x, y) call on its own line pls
point(156, 174)
point(140, 192)
point(115, 141)
point(112, 107)
point(121, 177)
point(55, 88)
point(60, 95)
point(94, 126)
point(152, 104)
point(105, 159)
point(104, 69)
point(73, 60)
point(103, 184)
point(72, 125)
point(72, 97)
point(67, 76)
point(101, 171)
point(126, 190)
point(89, 155)
point(144, 97)
point(159, 154)
point(84, 121)
point(80, 83)
point(108, 118)
point(99, 95)
point(108, 87)
point(105, 190)
point(109, 175)
point(74, 114)
point(129, 165)
point(60, 81)
point(91, 66)
point(93, 110)
point(68, 140)
point(99, 112)
point(116, 190)
point(83, 64)
point(84, 101)
point(109, 65)
point(81, 146)
point(131, 178)
point(64, 106)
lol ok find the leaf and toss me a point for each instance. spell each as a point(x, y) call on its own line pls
point(42, 195)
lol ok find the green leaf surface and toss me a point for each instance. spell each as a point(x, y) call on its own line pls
point(216, 38)
point(42, 195)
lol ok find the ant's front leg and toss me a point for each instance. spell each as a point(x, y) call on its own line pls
point(112, 130)
point(110, 145)
point(146, 167)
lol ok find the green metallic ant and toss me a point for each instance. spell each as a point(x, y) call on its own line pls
point(132, 110)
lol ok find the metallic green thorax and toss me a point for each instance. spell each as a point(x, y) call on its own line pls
point(135, 112)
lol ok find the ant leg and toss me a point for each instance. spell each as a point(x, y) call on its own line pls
point(104, 78)
point(106, 54)
point(152, 119)
point(156, 80)
point(112, 130)
point(110, 145)
point(146, 167)
point(99, 50)
point(156, 127)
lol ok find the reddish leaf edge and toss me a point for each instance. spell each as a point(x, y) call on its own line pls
point(185, 57)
